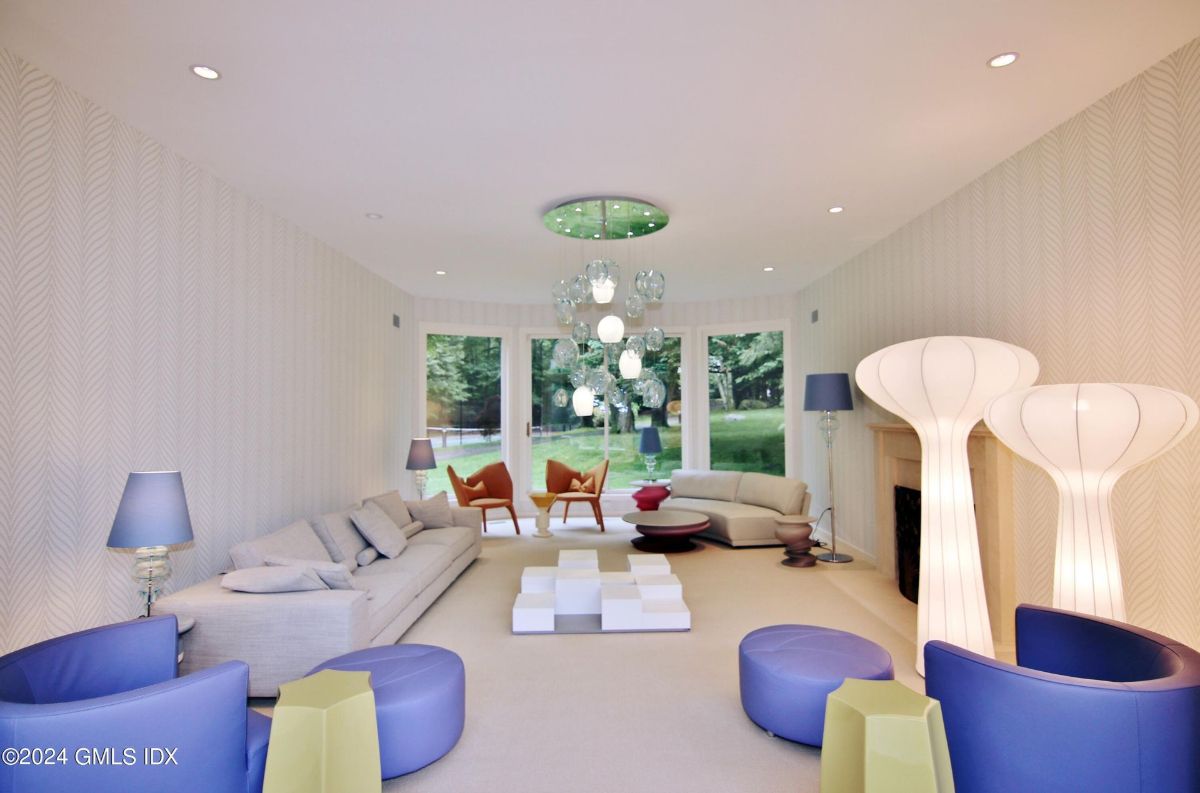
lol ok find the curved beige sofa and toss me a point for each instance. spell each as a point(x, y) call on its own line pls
point(741, 507)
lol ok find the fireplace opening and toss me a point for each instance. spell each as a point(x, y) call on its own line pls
point(908, 541)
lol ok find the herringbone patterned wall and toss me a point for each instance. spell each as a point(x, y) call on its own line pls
point(1084, 248)
point(153, 317)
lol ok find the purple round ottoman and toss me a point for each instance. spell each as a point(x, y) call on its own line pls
point(787, 671)
point(420, 701)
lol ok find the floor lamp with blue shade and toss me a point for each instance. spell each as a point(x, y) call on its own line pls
point(152, 515)
point(829, 393)
point(420, 461)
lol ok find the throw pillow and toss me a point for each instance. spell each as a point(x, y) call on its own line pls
point(393, 505)
point(475, 491)
point(296, 539)
point(586, 486)
point(366, 556)
point(374, 524)
point(434, 511)
point(292, 578)
point(340, 537)
point(335, 575)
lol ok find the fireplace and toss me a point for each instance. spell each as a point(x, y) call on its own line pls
point(898, 467)
point(908, 540)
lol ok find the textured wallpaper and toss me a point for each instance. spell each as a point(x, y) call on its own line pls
point(153, 317)
point(1084, 248)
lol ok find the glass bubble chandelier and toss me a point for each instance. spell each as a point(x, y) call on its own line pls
point(601, 391)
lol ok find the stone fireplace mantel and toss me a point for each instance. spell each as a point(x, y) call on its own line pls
point(898, 462)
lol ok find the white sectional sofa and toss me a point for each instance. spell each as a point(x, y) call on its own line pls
point(284, 635)
point(741, 507)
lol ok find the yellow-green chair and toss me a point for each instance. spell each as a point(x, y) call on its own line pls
point(882, 737)
point(324, 737)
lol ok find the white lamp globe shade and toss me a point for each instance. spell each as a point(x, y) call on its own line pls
point(603, 292)
point(610, 329)
point(630, 365)
point(583, 400)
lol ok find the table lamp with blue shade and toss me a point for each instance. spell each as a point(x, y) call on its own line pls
point(650, 446)
point(153, 514)
point(420, 460)
point(828, 393)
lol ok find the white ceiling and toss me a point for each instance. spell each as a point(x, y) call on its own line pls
point(461, 122)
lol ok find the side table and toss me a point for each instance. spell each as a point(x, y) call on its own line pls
point(652, 493)
point(324, 736)
point(795, 532)
point(543, 502)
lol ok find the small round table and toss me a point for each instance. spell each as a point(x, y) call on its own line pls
point(795, 531)
point(653, 492)
point(666, 530)
point(543, 502)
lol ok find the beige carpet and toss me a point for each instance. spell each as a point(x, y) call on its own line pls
point(636, 712)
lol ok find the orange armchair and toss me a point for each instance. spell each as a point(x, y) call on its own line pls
point(491, 487)
point(574, 486)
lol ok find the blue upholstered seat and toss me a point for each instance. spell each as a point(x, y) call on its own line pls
point(99, 692)
point(1094, 705)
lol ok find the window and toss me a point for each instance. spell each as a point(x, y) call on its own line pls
point(746, 412)
point(556, 432)
point(463, 404)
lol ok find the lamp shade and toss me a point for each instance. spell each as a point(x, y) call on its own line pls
point(420, 455)
point(630, 365)
point(611, 329)
point(153, 511)
point(650, 443)
point(583, 401)
point(827, 391)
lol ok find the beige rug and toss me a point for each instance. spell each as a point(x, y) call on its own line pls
point(636, 712)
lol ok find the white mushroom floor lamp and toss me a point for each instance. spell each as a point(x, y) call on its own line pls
point(940, 385)
point(1086, 436)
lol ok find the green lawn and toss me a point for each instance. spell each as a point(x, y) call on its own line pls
point(754, 443)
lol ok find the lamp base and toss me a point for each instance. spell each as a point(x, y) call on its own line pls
point(151, 567)
point(421, 478)
point(835, 558)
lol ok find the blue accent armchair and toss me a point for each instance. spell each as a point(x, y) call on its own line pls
point(1094, 705)
point(99, 692)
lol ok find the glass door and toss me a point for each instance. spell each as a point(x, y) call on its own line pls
point(464, 404)
point(556, 432)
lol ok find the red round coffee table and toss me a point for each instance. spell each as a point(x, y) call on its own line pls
point(666, 530)
point(652, 493)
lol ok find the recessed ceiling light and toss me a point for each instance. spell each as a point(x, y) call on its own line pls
point(836, 210)
point(768, 269)
point(1004, 59)
point(207, 72)
point(374, 216)
point(439, 272)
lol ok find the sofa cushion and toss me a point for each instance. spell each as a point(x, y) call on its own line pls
point(273, 579)
point(336, 575)
point(389, 595)
point(394, 506)
point(719, 485)
point(433, 512)
point(785, 496)
point(423, 562)
point(296, 540)
point(341, 539)
point(379, 530)
point(366, 556)
point(731, 522)
point(456, 538)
